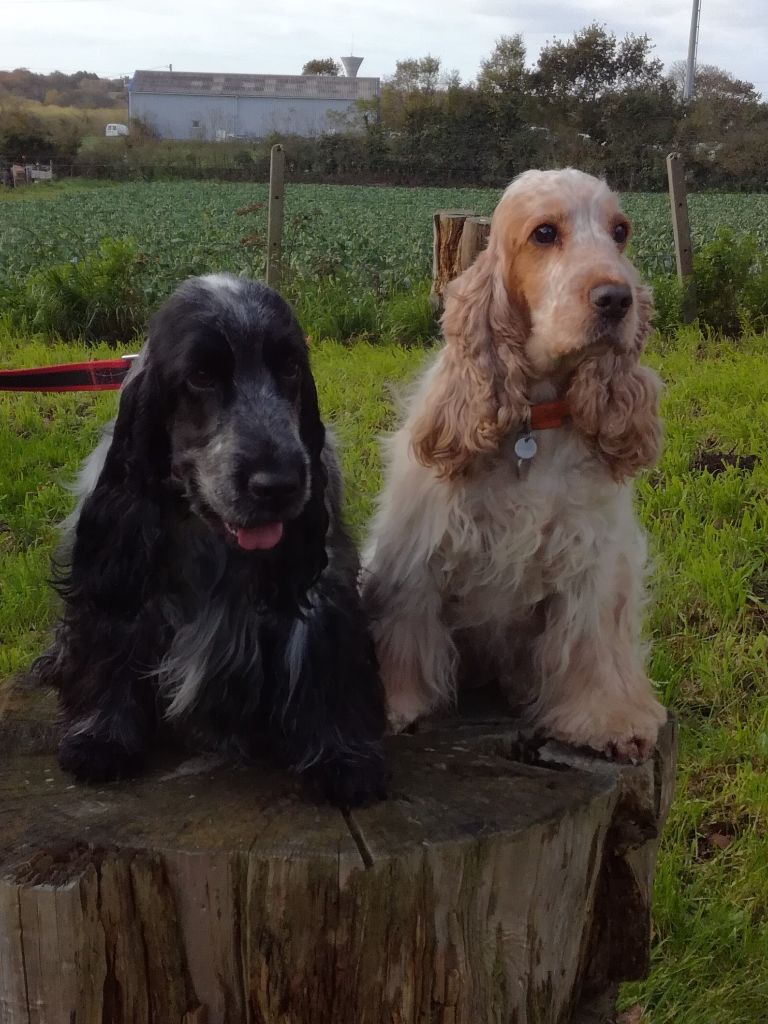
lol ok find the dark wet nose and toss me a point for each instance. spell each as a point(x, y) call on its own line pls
point(275, 487)
point(611, 301)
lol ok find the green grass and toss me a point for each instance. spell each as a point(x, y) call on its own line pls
point(46, 190)
point(709, 536)
point(708, 621)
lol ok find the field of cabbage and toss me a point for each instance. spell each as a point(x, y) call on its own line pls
point(380, 236)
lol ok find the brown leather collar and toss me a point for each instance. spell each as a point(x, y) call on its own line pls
point(549, 415)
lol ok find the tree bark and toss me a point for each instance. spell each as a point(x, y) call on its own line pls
point(447, 228)
point(474, 238)
point(504, 881)
point(458, 237)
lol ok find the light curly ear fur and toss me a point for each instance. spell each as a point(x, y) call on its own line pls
point(613, 402)
point(477, 395)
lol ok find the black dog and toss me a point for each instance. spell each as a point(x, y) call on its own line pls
point(210, 583)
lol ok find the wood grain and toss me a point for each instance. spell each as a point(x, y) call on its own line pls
point(505, 880)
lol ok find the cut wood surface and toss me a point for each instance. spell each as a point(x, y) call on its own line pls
point(503, 881)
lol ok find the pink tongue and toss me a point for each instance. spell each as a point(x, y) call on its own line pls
point(259, 538)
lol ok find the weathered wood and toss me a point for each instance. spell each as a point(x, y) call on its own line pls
point(505, 880)
point(678, 200)
point(474, 238)
point(447, 228)
point(275, 216)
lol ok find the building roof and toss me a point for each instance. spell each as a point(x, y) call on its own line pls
point(191, 83)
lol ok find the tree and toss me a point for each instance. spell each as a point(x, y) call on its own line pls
point(712, 82)
point(322, 66)
point(503, 82)
point(594, 62)
point(420, 74)
point(504, 71)
point(23, 135)
point(411, 90)
point(725, 130)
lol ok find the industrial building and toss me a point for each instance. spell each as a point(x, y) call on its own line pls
point(191, 105)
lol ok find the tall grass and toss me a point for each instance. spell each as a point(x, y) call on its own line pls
point(707, 622)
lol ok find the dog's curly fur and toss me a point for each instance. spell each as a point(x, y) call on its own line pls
point(210, 584)
point(475, 569)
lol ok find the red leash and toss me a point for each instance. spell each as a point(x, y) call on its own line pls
point(95, 375)
point(109, 374)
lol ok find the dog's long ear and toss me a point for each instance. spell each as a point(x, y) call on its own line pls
point(119, 524)
point(306, 542)
point(476, 396)
point(139, 454)
point(613, 402)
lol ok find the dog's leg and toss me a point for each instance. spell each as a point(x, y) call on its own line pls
point(589, 657)
point(106, 699)
point(330, 709)
point(417, 655)
point(401, 587)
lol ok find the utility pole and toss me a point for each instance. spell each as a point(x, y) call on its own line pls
point(693, 45)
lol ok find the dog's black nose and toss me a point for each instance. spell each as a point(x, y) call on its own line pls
point(275, 487)
point(611, 301)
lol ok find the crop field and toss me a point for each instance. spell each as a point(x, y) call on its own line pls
point(379, 236)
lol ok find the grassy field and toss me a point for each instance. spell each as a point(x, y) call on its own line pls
point(709, 532)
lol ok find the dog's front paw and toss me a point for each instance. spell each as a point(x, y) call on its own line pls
point(93, 758)
point(627, 736)
point(404, 708)
point(349, 778)
point(631, 749)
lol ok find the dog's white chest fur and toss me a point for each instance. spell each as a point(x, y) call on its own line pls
point(513, 539)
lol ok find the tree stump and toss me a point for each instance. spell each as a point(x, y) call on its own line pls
point(457, 238)
point(474, 238)
point(503, 881)
point(447, 228)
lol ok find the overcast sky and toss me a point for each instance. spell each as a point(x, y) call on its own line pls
point(114, 37)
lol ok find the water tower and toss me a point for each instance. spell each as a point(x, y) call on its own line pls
point(351, 65)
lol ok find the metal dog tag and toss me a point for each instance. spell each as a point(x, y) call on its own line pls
point(526, 447)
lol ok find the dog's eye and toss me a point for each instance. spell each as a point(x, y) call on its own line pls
point(544, 234)
point(201, 380)
point(620, 233)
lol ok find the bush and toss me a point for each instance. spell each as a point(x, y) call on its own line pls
point(98, 298)
point(730, 278)
point(668, 302)
point(755, 306)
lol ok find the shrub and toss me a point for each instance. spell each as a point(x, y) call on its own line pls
point(668, 301)
point(755, 310)
point(98, 298)
point(727, 272)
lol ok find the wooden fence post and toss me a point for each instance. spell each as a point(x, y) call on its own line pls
point(275, 216)
point(682, 232)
